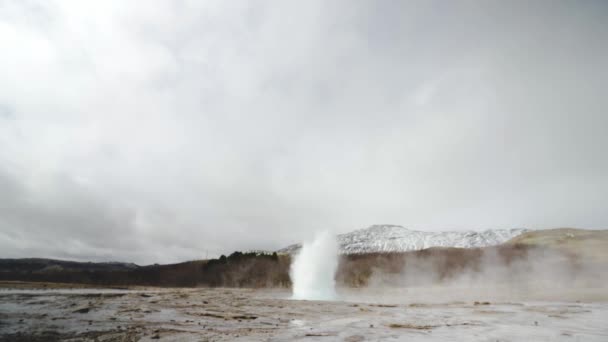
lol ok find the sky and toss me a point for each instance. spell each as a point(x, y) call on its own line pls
point(164, 131)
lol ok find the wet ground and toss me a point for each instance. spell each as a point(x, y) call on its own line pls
point(58, 314)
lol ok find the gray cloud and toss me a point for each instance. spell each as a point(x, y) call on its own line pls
point(173, 130)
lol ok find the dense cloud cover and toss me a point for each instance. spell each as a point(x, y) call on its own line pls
point(160, 131)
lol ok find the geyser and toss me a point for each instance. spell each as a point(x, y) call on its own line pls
point(314, 268)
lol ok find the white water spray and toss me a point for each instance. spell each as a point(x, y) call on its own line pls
point(314, 268)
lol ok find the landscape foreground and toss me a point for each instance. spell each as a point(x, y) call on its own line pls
point(50, 312)
point(548, 285)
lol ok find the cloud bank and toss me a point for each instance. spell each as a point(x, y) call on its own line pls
point(174, 130)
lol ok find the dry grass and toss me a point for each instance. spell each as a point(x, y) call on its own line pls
point(590, 244)
point(411, 326)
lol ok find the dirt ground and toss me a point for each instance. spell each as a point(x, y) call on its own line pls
point(49, 312)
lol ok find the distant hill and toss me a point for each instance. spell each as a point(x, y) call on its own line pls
point(571, 253)
point(39, 265)
point(250, 269)
point(392, 238)
point(590, 244)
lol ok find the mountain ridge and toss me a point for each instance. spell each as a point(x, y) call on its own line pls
point(383, 238)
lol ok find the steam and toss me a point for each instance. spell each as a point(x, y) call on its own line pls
point(502, 273)
point(314, 268)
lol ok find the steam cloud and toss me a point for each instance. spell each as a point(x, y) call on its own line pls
point(489, 274)
point(314, 268)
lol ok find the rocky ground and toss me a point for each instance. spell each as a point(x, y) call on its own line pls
point(60, 313)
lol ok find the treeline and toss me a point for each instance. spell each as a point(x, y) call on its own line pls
point(271, 270)
point(236, 270)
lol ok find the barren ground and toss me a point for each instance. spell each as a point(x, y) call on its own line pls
point(38, 313)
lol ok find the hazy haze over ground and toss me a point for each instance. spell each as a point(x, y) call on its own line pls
point(160, 131)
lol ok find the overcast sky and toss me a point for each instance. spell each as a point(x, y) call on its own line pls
point(161, 131)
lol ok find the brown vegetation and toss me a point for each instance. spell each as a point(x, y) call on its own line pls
point(429, 266)
point(237, 270)
point(433, 264)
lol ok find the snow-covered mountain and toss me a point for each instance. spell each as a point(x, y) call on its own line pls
point(391, 238)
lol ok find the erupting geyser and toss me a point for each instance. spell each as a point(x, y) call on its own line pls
point(314, 268)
